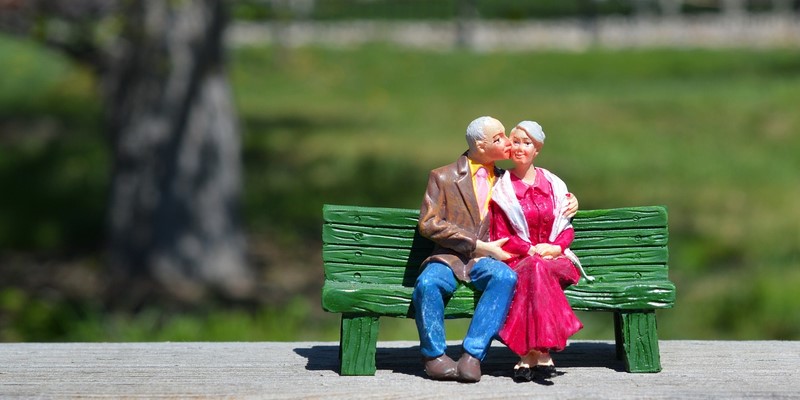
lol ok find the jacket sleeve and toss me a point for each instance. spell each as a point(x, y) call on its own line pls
point(433, 223)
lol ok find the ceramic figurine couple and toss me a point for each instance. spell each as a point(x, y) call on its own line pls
point(508, 234)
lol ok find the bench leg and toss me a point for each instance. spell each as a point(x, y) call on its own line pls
point(637, 340)
point(617, 336)
point(357, 346)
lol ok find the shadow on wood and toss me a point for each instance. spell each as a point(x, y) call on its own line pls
point(499, 361)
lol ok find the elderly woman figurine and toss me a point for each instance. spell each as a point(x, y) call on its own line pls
point(527, 206)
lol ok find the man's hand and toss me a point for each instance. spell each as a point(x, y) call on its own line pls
point(492, 249)
point(572, 206)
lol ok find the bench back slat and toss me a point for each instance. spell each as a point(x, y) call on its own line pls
point(369, 216)
point(630, 217)
point(405, 257)
point(616, 218)
point(406, 237)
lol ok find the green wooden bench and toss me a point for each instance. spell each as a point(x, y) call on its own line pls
point(372, 258)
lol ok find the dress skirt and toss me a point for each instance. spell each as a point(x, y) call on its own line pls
point(540, 317)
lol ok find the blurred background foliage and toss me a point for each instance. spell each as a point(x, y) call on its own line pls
point(329, 10)
point(712, 134)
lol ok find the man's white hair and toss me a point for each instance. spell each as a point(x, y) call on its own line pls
point(533, 129)
point(475, 131)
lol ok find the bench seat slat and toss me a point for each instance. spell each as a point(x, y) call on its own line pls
point(413, 257)
point(617, 296)
point(392, 275)
point(395, 300)
point(407, 237)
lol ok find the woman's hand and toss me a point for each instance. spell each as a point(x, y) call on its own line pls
point(572, 206)
point(545, 250)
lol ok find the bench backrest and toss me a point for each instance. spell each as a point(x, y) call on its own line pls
point(370, 251)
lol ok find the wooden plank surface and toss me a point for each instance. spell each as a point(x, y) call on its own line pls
point(628, 217)
point(270, 370)
point(402, 257)
point(406, 237)
point(370, 216)
point(614, 218)
point(344, 272)
point(395, 300)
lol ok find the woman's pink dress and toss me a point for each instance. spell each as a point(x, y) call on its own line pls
point(540, 317)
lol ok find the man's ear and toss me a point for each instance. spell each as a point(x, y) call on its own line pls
point(480, 145)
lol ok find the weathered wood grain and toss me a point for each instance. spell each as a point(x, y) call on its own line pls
point(359, 338)
point(379, 236)
point(395, 300)
point(369, 216)
point(372, 256)
point(402, 257)
point(640, 340)
point(299, 370)
point(630, 217)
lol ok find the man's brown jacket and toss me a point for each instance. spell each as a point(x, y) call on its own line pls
point(450, 217)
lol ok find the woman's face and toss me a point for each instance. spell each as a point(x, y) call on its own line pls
point(523, 148)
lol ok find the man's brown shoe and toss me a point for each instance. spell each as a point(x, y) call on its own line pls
point(441, 368)
point(469, 368)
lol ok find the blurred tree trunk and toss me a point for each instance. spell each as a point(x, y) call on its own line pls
point(589, 19)
point(174, 226)
point(642, 9)
point(734, 8)
point(783, 7)
point(671, 8)
point(466, 20)
point(174, 201)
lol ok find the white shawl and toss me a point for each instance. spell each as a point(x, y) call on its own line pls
point(503, 194)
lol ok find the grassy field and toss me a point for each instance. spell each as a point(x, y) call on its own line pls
point(713, 135)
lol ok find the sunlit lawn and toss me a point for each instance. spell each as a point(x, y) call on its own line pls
point(713, 135)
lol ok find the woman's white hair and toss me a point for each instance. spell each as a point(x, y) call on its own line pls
point(533, 129)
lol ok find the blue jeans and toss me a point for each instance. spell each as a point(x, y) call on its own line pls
point(437, 282)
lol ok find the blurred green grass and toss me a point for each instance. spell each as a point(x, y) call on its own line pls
point(711, 134)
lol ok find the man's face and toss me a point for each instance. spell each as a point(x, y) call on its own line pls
point(496, 145)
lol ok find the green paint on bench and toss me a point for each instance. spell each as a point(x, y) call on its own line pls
point(371, 257)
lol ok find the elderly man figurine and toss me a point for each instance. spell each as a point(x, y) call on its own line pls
point(454, 216)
